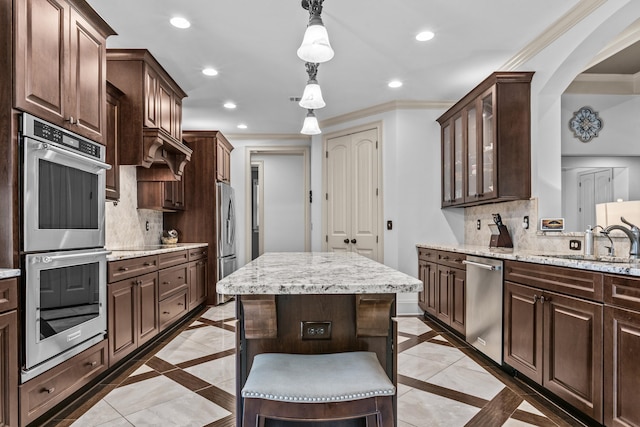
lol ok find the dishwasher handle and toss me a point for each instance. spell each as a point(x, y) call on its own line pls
point(483, 266)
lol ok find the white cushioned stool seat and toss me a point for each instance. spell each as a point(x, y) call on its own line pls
point(317, 378)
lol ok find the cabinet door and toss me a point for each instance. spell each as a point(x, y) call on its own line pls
point(197, 283)
point(111, 134)
point(487, 167)
point(147, 309)
point(523, 330)
point(220, 162)
point(177, 117)
point(447, 171)
point(573, 351)
point(422, 275)
point(87, 77)
point(457, 280)
point(9, 369)
point(443, 295)
point(459, 138)
point(41, 49)
point(151, 117)
point(165, 108)
point(122, 319)
point(431, 291)
point(173, 194)
point(621, 367)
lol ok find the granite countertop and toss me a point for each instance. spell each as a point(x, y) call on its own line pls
point(138, 251)
point(628, 268)
point(8, 273)
point(281, 273)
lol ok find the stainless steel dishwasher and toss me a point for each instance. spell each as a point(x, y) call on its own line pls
point(483, 314)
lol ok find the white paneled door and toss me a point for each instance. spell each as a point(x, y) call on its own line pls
point(352, 196)
point(594, 187)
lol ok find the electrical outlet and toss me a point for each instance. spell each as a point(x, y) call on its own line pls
point(478, 224)
point(575, 245)
point(315, 330)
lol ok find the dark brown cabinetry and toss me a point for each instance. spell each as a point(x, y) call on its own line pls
point(444, 278)
point(552, 338)
point(9, 367)
point(621, 350)
point(198, 221)
point(111, 138)
point(223, 159)
point(152, 133)
point(198, 277)
point(60, 64)
point(486, 149)
point(166, 196)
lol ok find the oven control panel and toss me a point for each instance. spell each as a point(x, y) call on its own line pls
point(35, 128)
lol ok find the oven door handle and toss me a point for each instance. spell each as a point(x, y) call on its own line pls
point(483, 266)
point(73, 155)
point(49, 258)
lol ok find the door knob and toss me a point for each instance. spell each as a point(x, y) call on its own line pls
point(353, 240)
point(346, 240)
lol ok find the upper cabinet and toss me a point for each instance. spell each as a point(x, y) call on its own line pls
point(486, 143)
point(112, 137)
point(223, 159)
point(152, 133)
point(60, 63)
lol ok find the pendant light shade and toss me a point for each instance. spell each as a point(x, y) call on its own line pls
point(315, 45)
point(310, 125)
point(312, 95)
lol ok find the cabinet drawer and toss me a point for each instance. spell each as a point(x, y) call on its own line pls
point(47, 390)
point(173, 308)
point(622, 291)
point(427, 254)
point(452, 259)
point(198, 253)
point(570, 281)
point(8, 294)
point(170, 259)
point(171, 279)
point(126, 268)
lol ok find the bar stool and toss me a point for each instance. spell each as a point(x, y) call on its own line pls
point(318, 387)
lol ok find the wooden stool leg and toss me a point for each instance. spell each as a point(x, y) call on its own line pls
point(385, 414)
point(250, 416)
point(372, 420)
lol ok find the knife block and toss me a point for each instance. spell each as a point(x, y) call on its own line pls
point(500, 237)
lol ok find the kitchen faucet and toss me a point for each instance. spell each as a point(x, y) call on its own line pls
point(633, 233)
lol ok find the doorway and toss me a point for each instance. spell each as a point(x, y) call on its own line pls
point(594, 187)
point(278, 211)
point(352, 203)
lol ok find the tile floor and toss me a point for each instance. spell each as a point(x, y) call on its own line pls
point(188, 379)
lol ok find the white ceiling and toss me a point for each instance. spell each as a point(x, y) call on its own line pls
point(253, 45)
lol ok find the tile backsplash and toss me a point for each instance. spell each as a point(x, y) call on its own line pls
point(125, 224)
point(531, 239)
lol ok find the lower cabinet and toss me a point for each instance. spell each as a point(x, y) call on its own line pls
point(9, 368)
point(45, 391)
point(443, 295)
point(198, 276)
point(556, 340)
point(132, 314)
point(622, 351)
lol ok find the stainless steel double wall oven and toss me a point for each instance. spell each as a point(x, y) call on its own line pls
point(63, 257)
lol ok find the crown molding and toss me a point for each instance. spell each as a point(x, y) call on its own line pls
point(553, 32)
point(605, 84)
point(273, 136)
point(625, 39)
point(384, 108)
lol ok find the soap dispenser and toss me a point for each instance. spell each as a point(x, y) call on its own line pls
point(588, 241)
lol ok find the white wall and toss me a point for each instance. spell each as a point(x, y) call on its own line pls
point(283, 203)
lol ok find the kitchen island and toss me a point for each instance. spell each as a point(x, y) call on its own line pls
point(315, 303)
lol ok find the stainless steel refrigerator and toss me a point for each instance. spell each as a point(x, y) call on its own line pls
point(226, 232)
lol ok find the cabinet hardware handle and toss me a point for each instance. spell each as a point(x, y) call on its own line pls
point(147, 264)
point(543, 299)
point(50, 390)
point(166, 312)
point(180, 303)
point(166, 282)
point(3, 300)
point(458, 260)
point(124, 268)
point(353, 241)
point(346, 241)
point(180, 277)
point(138, 282)
point(92, 364)
point(445, 257)
point(535, 298)
point(71, 120)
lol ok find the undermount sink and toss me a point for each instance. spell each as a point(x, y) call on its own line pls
point(592, 258)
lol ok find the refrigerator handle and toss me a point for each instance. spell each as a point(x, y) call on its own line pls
point(231, 225)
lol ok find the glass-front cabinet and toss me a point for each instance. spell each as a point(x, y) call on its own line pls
point(486, 143)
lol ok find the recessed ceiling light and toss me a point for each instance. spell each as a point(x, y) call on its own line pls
point(180, 22)
point(230, 105)
point(424, 36)
point(210, 72)
point(242, 126)
point(395, 83)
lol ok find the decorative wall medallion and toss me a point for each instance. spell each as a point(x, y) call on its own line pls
point(585, 124)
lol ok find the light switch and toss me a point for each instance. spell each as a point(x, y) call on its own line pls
point(389, 225)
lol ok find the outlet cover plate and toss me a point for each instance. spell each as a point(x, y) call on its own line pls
point(315, 330)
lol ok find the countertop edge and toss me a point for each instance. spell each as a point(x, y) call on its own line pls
point(120, 254)
point(629, 269)
point(9, 273)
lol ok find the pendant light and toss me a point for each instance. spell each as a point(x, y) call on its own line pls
point(312, 95)
point(315, 47)
point(310, 125)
